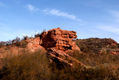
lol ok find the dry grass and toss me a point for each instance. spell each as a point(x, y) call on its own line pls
point(36, 66)
point(26, 67)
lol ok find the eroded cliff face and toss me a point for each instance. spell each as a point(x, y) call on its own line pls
point(55, 38)
point(57, 42)
point(59, 39)
point(34, 44)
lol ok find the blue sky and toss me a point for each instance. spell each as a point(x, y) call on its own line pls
point(89, 18)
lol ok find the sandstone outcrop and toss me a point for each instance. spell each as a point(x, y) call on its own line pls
point(115, 51)
point(56, 42)
point(61, 57)
point(34, 44)
point(59, 39)
point(55, 38)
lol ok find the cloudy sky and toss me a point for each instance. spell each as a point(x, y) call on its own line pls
point(89, 18)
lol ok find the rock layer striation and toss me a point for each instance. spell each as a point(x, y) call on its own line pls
point(59, 39)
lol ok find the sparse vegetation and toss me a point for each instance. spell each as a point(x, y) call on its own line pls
point(26, 67)
point(2, 44)
point(95, 45)
point(22, 43)
point(37, 66)
point(16, 42)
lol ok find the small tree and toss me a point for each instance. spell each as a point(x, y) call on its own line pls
point(16, 40)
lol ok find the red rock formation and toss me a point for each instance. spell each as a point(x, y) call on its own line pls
point(57, 42)
point(59, 39)
point(115, 52)
point(34, 44)
point(55, 38)
point(61, 57)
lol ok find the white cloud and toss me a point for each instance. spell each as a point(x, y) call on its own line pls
point(60, 13)
point(111, 29)
point(31, 8)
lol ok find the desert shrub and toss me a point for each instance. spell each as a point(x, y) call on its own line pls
point(25, 37)
point(94, 45)
point(36, 66)
point(100, 72)
point(22, 43)
point(102, 67)
point(95, 59)
point(16, 40)
point(26, 67)
point(2, 44)
point(37, 35)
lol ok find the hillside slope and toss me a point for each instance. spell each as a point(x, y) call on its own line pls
point(97, 45)
point(57, 55)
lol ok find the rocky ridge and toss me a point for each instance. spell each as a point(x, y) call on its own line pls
point(57, 42)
